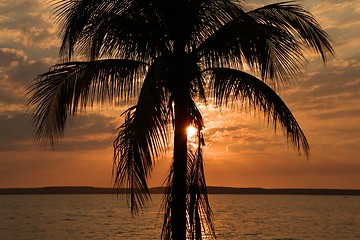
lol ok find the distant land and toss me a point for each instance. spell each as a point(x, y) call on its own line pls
point(160, 190)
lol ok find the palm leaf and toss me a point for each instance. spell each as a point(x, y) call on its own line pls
point(264, 48)
point(120, 29)
point(166, 204)
point(296, 19)
point(199, 210)
point(142, 138)
point(230, 85)
point(73, 85)
point(269, 40)
point(73, 17)
point(203, 18)
point(199, 213)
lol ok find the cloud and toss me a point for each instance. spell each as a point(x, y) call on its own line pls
point(91, 131)
point(341, 21)
point(14, 130)
point(16, 73)
point(10, 58)
point(332, 91)
point(241, 149)
point(88, 132)
point(26, 24)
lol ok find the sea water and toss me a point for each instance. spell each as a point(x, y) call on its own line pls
point(237, 217)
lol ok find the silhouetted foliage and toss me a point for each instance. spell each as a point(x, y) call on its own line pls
point(171, 55)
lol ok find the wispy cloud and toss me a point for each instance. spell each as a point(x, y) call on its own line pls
point(242, 149)
point(27, 24)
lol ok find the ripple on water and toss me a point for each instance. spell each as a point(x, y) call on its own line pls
point(245, 217)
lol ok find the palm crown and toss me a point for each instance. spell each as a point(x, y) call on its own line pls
point(171, 54)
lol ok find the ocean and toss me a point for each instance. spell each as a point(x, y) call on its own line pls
point(237, 217)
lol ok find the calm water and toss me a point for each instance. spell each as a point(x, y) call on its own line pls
point(104, 217)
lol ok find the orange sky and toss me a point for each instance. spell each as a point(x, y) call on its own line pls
point(241, 151)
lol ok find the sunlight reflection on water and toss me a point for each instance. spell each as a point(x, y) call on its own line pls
point(58, 217)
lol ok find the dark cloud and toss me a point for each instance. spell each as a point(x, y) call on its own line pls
point(93, 131)
point(10, 58)
point(339, 114)
point(26, 24)
point(14, 130)
point(89, 132)
point(333, 92)
point(16, 73)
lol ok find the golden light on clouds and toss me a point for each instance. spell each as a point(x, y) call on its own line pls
point(241, 149)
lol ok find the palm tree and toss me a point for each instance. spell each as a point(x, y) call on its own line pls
point(170, 55)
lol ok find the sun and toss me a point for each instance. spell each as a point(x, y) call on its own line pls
point(191, 131)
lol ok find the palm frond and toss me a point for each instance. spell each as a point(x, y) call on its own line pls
point(142, 138)
point(246, 43)
point(73, 85)
point(199, 210)
point(205, 17)
point(230, 85)
point(120, 29)
point(166, 204)
point(270, 40)
point(296, 19)
point(73, 17)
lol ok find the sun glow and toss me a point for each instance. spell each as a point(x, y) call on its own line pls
point(191, 131)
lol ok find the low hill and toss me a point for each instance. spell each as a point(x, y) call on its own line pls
point(160, 190)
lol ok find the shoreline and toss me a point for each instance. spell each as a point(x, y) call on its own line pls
point(160, 190)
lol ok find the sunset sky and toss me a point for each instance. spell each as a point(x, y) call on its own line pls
point(242, 150)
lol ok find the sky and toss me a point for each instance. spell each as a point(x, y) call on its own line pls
point(242, 149)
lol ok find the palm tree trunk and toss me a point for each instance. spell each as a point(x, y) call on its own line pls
point(178, 207)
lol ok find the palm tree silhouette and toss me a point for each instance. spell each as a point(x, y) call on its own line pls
point(170, 55)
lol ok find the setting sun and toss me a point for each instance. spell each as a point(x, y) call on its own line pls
point(191, 131)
